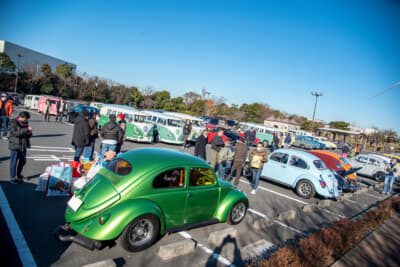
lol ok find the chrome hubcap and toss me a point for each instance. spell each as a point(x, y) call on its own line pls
point(141, 232)
point(238, 212)
point(305, 189)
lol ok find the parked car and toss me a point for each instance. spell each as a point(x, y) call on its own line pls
point(305, 143)
point(371, 166)
point(214, 122)
point(340, 145)
point(78, 111)
point(148, 192)
point(301, 171)
point(345, 173)
point(326, 141)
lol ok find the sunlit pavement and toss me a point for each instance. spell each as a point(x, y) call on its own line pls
point(38, 216)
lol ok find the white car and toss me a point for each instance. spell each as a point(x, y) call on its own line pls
point(372, 165)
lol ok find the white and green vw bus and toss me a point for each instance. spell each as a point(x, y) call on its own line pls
point(138, 127)
point(264, 133)
point(198, 125)
point(167, 128)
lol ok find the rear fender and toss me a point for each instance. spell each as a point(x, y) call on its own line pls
point(117, 218)
point(226, 204)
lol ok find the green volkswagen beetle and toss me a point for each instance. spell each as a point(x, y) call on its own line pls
point(145, 193)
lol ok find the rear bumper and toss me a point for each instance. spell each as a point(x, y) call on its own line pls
point(64, 233)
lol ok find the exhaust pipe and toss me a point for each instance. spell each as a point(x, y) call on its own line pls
point(64, 233)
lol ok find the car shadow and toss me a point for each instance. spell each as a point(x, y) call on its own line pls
point(47, 135)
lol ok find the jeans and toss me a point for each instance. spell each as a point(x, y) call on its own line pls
point(256, 178)
point(78, 152)
point(390, 179)
point(90, 149)
point(105, 148)
point(4, 124)
point(17, 162)
point(223, 171)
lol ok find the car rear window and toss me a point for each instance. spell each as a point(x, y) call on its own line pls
point(319, 165)
point(119, 166)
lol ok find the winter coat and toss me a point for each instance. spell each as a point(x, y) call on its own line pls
point(217, 143)
point(94, 131)
point(112, 131)
point(288, 139)
point(81, 134)
point(262, 154)
point(200, 147)
point(19, 135)
point(240, 152)
point(276, 140)
point(187, 129)
point(225, 154)
point(8, 107)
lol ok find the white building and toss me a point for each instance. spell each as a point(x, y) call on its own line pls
point(29, 59)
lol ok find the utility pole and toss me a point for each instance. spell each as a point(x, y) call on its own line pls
point(16, 73)
point(315, 107)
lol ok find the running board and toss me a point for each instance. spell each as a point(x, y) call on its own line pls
point(191, 225)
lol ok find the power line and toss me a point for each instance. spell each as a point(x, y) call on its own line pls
point(385, 91)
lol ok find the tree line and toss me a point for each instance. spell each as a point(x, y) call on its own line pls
point(64, 83)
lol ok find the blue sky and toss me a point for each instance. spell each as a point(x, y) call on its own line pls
point(273, 52)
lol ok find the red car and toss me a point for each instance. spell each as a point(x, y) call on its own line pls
point(256, 141)
point(212, 133)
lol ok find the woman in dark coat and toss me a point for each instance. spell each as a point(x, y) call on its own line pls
point(201, 143)
point(81, 134)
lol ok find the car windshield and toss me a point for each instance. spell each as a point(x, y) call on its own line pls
point(120, 167)
point(319, 165)
point(344, 161)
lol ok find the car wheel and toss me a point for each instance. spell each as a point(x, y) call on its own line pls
point(237, 213)
point(141, 233)
point(305, 189)
point(265, 143)
point(246, 170)
point(379, 176)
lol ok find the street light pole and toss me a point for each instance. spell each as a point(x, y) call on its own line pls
point(315, 107)
point(16, 73)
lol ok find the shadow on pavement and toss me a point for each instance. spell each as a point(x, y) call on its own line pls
point(47, 135)
point(237, 260)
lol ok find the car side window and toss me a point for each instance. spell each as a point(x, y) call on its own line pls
point(373, 161)
point(362, 159)
point(174, 178)
point(280, 157)
point(201, 177)
point(297, 162)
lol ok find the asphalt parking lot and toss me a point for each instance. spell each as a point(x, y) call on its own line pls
point(276, 216)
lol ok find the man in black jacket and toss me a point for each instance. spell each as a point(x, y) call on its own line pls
point(239, 160)
point(216, 144)
point(112, 135)
point(20, 132)
point(201, 143)
point(81, 134)
point(187, 129)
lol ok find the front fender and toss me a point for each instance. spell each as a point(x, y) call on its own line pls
point(226, 204)
point(117, 218)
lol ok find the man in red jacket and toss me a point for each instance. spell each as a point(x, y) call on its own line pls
point(6, 109)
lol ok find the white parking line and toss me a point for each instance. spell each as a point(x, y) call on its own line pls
point(277, 222)
point(279, 194)
point(207, 250)
point(371, 195)
point(351, 201)
point(334, 213)
point(50, 158)
point(52, 149)
point(23, 250)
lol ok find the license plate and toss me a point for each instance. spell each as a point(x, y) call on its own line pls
point(75, 203)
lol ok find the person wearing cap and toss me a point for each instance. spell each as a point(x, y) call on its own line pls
point(81, 134)
point(239, 159)
point(6, 110)
point(112, 135)
point(122, 125)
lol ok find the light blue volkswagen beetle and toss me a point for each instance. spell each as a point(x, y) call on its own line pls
point(302, 171)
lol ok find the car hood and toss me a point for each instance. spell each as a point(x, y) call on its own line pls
point(97, 195)
point(224, 184)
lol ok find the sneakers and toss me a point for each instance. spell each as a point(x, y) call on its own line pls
point(13, 181)
point(253, 192)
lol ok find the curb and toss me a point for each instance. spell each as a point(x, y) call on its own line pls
point(176, 249)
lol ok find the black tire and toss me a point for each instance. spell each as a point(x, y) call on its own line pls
point(150, 229)
point(265, 143)
point(305, 189)
point(379, 176)
point(246, 171)
point(238, 212)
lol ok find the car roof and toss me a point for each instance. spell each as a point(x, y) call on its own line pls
point(332, 154)
point(329, 160)
point(298, 153)
point(159, 157)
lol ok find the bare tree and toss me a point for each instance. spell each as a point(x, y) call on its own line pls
point(189, 98)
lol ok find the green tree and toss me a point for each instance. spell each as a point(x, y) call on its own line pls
point(136, 96)
point(46, 69)
point(341, 125)
point(64, 70)
point(161, 98)
point(47, 88)
point(6, 62)
point(305, 125)
point(198, 107)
